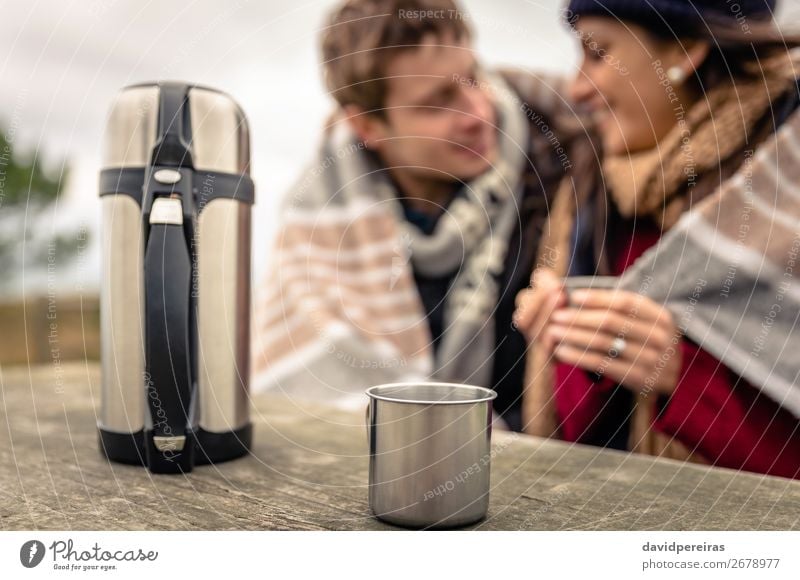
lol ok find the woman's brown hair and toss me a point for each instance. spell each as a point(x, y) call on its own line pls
point(739, 50)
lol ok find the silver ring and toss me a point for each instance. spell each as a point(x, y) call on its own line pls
point(618, 347)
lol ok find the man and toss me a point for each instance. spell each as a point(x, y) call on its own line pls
point(403, 246)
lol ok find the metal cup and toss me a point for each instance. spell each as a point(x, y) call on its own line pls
point(430, 452)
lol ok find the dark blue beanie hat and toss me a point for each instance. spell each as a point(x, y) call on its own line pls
point(681, 18)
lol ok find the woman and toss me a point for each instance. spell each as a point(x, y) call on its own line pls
point(682, 95)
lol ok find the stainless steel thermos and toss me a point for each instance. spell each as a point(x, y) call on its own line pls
point(176, 200)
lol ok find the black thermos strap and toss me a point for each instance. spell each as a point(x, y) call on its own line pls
point(168, 277)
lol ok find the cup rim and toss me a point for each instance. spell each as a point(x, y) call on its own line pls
point(489, 394)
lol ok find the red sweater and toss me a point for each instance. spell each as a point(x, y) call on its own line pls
point(712, 411)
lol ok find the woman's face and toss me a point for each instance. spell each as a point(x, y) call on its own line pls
point(623, 82)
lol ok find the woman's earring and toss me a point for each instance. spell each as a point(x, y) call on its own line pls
point(676, 75)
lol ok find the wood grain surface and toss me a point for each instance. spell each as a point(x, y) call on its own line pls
point(308, 471)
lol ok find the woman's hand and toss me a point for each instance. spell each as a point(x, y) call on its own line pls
point(622, 335)
point(536, 304)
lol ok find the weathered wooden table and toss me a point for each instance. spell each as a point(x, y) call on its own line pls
point(308, 471)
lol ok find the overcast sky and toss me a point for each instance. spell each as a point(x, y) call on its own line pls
point(62, 62)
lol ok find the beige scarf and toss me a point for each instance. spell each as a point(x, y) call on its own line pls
point(656, 184)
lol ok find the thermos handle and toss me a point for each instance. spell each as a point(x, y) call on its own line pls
point(167, 283)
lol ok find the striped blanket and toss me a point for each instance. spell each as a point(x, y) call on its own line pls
point(728, 270)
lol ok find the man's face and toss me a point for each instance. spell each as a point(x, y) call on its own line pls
point(439, 124)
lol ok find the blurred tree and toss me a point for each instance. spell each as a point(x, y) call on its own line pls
point(26, 190)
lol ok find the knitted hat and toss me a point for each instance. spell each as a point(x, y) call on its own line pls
point(682, 18)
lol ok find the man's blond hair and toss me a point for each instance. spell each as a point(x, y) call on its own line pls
point(363, 35)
